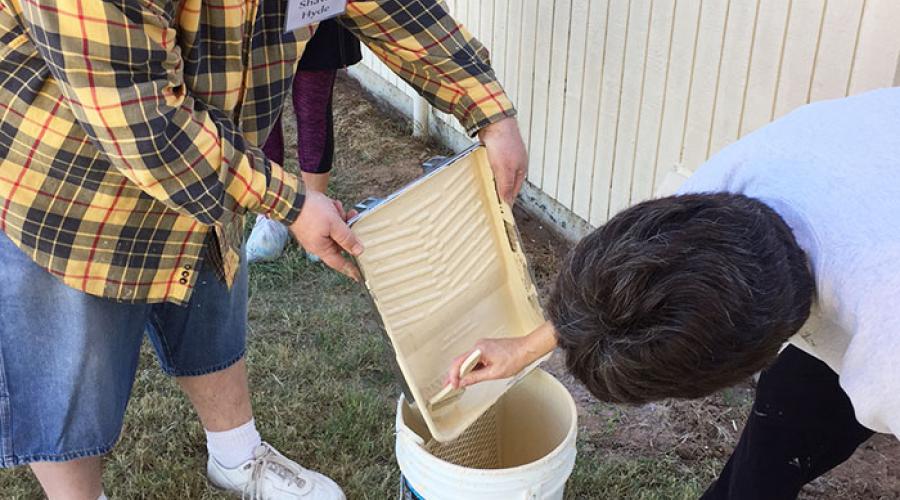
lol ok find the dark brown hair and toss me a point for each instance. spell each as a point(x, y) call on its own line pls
point(680, 296)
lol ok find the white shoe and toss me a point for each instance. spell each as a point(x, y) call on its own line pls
point(267, 240)
point(272, 476)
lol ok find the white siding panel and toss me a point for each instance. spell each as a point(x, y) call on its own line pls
point(765, 64)
point(526, 76)
point(613, 72)
point(704, 81)
point(499, 27)
point(513, 21)
point(589, 126)
point(678, 82)
point(654, 93)
point(733, 72)
point(878, 48)
point(559, 52)
point(572, 107)
point(628, 121)
point(831, 72)
point(800, 47)
point(540, 92)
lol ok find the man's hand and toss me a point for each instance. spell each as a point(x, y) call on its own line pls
point(504, 358)
point(322, 230)
point(507, 156)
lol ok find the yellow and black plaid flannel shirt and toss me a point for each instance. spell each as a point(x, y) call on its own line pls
point(129, 129)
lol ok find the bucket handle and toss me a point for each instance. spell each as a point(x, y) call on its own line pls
point(408, 435)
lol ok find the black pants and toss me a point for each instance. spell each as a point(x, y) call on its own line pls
point(801, 426)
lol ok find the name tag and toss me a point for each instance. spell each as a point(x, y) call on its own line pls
point(302, 13)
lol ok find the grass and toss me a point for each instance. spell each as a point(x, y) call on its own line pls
point(601, 475)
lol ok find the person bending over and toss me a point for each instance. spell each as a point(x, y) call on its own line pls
point(780, 254)
point(331, 48)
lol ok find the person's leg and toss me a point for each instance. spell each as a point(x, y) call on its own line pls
point(312, 92)
point(67, 363)
point(222, 401)
point(222, 398)
point(316, 182)
point(313, 99)
point(75, 479)
point(274, 145)
point(801, 425)
point(313, 102)
point(202, 344)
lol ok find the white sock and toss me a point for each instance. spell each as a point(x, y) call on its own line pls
point(102, 496)
point(233, 447)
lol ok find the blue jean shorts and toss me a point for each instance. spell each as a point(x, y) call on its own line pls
point(68, 359)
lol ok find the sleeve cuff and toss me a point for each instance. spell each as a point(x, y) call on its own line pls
point(483, 105)
point(284, 196)
point(487, 120)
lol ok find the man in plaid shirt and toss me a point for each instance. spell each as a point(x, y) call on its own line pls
point(129, 155)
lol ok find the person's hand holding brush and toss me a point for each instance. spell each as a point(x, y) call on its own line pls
point(503, 358)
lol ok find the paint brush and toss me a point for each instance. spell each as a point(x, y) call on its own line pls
point(448, 395)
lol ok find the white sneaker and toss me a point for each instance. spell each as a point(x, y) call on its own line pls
point(272, 476)
point(267, 240)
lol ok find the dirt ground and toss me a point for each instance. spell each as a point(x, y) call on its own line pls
point(700, 433)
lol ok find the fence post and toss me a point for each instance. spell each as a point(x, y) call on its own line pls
point(420, 117)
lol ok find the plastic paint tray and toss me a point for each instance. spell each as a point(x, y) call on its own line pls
point(444, 266)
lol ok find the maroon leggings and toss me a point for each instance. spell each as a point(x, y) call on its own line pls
point(315, 126)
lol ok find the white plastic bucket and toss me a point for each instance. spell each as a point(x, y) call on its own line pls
point(522, 449)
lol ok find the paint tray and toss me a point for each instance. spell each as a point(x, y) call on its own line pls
point(444, 266)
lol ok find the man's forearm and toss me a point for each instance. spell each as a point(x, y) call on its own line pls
point(422, 43)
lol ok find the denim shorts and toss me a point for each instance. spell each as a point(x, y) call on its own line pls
point(68, 359)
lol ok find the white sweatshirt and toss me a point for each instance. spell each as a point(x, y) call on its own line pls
point(832, 171)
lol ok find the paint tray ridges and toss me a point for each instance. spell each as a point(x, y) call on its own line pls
point(444, 270)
